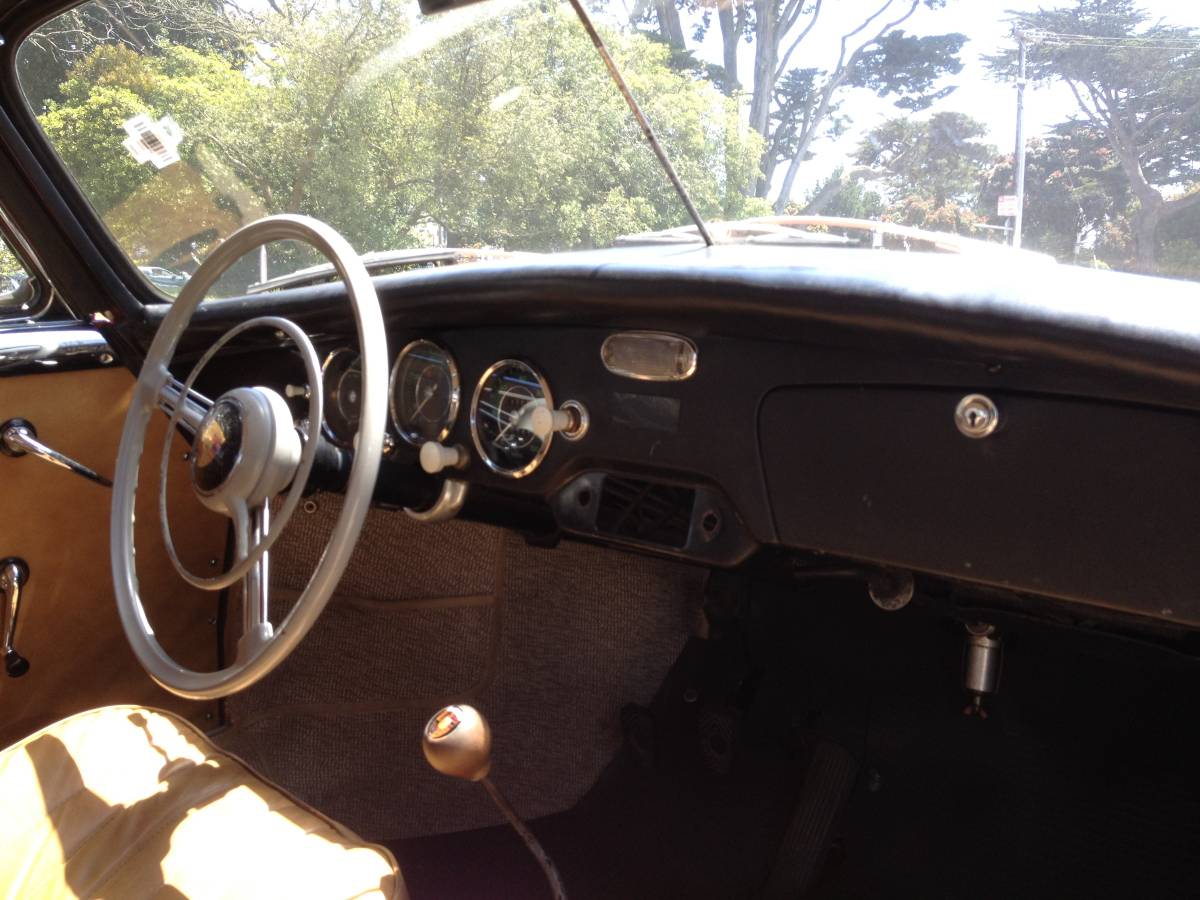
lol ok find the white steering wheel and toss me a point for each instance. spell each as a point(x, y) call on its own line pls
point(246, 450)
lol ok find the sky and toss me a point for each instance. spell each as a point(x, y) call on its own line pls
point(985, 22)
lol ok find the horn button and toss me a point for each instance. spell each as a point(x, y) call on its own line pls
point(217, 446)
point(245, 450)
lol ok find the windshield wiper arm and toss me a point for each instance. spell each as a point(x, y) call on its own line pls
point(642, 121)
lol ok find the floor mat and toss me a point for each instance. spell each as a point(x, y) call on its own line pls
point(637, 834)
point(549, 643)
point(1080, 783)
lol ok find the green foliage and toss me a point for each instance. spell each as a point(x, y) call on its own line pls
point(941, 157)
point(1075, 195)
point(9, 264)
point(505, 135)
point(908, 67)
point(851, 198)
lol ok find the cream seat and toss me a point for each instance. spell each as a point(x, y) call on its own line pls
point(129, 802)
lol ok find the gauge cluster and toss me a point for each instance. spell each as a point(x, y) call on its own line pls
point(425, 393)
point(504, 418)
point(512, 418)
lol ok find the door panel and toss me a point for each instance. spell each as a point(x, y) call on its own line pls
point(58, 523)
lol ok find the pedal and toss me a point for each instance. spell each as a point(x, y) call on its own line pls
point(810, 833)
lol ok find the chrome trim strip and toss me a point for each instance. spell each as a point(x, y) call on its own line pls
point(48, 347)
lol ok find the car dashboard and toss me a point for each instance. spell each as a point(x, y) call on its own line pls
point(1027, 435)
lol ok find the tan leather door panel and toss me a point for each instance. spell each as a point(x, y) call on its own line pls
point(58, 523)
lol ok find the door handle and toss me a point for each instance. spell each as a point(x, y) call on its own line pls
point(13, 575)
point(18, 437)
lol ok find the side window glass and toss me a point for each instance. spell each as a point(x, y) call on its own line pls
point(19, 294)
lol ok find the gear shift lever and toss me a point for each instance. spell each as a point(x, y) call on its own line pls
point(457, 741)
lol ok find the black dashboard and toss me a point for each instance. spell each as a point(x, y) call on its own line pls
point(825, 412)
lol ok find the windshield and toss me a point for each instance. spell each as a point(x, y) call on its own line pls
point(495, 128)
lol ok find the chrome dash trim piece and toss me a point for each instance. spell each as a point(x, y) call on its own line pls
point(448, 504)
point(679, 353)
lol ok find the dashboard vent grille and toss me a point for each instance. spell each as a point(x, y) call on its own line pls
point(646, 511)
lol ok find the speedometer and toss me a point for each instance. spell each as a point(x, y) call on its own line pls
point(502, 418)
point(341, 375)
point(425, 393)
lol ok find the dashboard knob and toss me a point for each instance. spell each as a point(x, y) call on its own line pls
point(571, 420)
point(544, 421)
point(435, 457)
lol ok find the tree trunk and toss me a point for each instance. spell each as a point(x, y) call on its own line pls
point(730, 38)
point(1145, 237)
point(669, 23)
point(766, 58)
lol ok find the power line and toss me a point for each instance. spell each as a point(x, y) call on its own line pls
point(1132, 42)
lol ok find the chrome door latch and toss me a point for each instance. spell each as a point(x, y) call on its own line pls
point(18, 437)
point(14, 573)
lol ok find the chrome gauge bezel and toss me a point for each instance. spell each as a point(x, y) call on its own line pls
point(325, 429)
point(532, 465)
point(455, 392)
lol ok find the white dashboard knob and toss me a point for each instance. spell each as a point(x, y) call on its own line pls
point(435, 457)
point(544, 421)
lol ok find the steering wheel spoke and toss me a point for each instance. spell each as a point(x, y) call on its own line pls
point(194, 408)
point(250, 528)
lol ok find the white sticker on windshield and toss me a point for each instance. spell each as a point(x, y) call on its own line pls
point(153, 142)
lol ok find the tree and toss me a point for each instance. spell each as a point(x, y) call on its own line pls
point(842, 195)
point(9, 264)
point(508, 135)
point(792, 106)
point(1075, 195)
point(941, 158)
point(1138, 84)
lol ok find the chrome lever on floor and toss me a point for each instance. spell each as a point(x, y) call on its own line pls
point(458, 741)
point(14, 573)
point(18, 437)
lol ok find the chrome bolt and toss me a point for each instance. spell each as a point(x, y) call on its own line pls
point(976, 416)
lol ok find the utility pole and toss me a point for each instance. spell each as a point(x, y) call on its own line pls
point(1019, 156)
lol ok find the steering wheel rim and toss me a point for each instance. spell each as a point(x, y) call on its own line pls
point(258, 653)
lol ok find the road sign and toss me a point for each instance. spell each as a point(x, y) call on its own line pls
point(1006, 205)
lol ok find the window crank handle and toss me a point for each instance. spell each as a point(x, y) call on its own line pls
point(18, 437)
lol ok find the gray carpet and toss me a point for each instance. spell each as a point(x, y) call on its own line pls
point(549, 644)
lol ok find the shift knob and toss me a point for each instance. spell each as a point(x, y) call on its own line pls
point(457, 741)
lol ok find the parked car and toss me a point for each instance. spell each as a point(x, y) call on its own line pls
point(164, 278)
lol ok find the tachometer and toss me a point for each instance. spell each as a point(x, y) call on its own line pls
point(425, 393)
point(342, 382)
point(501, 417)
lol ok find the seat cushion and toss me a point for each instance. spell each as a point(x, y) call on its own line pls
point(129, 802)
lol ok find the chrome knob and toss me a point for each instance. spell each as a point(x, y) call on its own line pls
point(976, 416)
